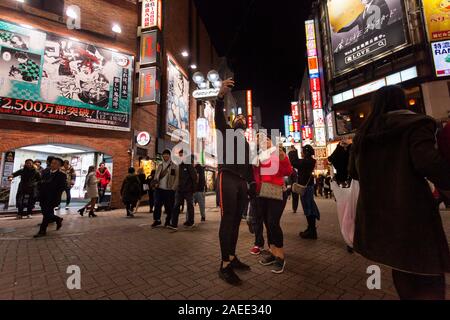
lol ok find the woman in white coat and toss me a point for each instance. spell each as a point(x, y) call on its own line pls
point(90, 186)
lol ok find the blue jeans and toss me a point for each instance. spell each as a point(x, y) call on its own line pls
point(309, 205)
point(199, 197)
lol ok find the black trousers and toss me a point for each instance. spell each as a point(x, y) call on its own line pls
point(233, 199)
point(130, 206)
point(271, 211)
point(151, 199)
point(257, 221)
point(68, 196)
point(180, 197)
point(101, 194)
point(295, 201)
point(411, 286)
point(48, 215)
point(164, 198)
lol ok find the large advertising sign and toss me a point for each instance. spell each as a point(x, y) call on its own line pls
point(48, 78)
point(149, 85)
point(437, 19)
point(441, 56)
point(363, 30)
point(150, 48)
point(177, 99)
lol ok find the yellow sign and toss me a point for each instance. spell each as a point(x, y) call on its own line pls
point(437, 18)
point(342, 13)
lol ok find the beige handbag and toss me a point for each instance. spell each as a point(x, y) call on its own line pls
point(271, 191)
point(300, 189)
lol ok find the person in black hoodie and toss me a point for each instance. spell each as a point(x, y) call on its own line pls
point(305, 168)
point(199, 195)
point(131, 191)
point(187, 182)
point(236, 185)
point(27, 191)
point(398, 223)
point(51, 187)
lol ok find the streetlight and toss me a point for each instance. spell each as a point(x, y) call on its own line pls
point(116, 28)
point(193, 66)
point(185, 54)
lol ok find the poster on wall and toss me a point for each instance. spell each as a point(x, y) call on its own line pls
point(362, 30)
point(211, 137)
point(63, 81)
point(437, 19)
point(177, 100)
point(441, 57)
point(150, 48)
point(149, 85)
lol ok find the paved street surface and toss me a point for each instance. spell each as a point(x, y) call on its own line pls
point(124, 258)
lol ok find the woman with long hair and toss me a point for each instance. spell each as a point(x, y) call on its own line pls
point(397, 220)
point(273, 167)
point(305, 168)
point(90, 185)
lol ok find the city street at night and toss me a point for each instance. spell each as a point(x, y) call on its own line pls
point(124, 259)
point(207, 159)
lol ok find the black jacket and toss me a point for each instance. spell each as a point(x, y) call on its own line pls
point(188, 178)
point(131, 189)
point(51, 187)
point(201, 183)
point(244, 171)
point(305, 168)
point(29, 179)
point(397, 220)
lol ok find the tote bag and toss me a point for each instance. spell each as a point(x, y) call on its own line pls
point(346, 199)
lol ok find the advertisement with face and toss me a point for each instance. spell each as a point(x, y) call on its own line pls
point(177, 99)
point(63, 81)
point(361, 30)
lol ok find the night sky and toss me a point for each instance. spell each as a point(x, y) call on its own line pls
point(264, 42)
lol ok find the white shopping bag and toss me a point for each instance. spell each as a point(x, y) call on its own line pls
point(346, 199)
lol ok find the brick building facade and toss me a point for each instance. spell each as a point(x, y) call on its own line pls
point(182, 30)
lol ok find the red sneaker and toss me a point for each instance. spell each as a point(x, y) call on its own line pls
point(256, 251)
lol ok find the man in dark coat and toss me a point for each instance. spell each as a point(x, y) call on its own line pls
point(397, 221)
point(187, 182)
point(52, 184)
point(199, 195)
point(131, 191)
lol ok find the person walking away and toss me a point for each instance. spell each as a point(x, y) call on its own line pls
point(165, 184)
point(90, 186)
point(327, 186)
point(27, 190)
point(69, 171)
point(270, 173)
point(305, 168)
point(187, 182)
point(151, 191)
point(236, 185)
point(130, 191)
point(398, 223)
point(51, 187)
point(199, 195)
point(104, 178)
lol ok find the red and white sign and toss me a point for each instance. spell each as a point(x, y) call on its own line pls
point(151, 14)
point(295, 112)
point(250, 122)
point(316, 99)
point(143, 138)
point(314, 84)
point(307, 133)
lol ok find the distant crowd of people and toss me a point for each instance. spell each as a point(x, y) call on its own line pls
point(47, 186)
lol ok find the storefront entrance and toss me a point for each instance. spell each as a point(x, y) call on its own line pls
point(79, 157)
